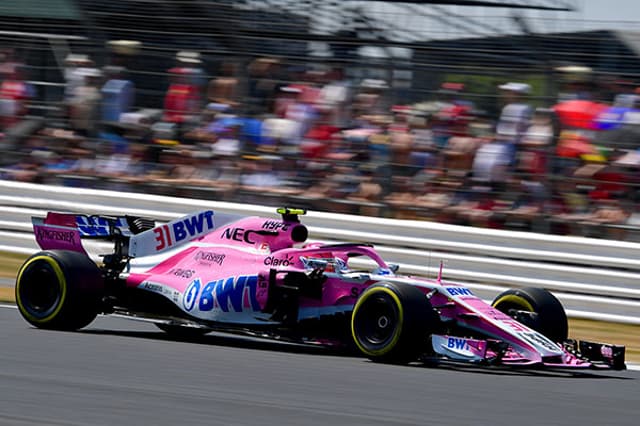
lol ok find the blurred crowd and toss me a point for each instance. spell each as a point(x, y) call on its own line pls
point(314, 137)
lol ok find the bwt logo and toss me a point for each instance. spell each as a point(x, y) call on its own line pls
point(459, 344)
point(189, 298)
point(231, 294)
point(187, 228)
point(459, 291)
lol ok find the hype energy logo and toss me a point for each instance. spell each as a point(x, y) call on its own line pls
point(233, 294)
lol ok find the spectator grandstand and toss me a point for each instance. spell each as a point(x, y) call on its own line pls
point(412, 109)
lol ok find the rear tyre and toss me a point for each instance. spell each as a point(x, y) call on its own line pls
point(59, 289)
point(551, 320)
point(391, 322)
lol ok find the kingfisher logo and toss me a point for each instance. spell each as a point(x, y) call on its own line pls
point(208, 258)
point(182, 229)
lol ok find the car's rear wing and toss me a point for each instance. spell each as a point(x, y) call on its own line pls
point(134, 236)
point(65, 230)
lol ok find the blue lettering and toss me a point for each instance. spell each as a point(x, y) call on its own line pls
point(206, 298)
point(229, 294)
point(194, 224)
point(455, 343)
point(230, 290)
point(189, 298)
point(179, 232)
point(252, 284)
point(209, 216)
point(459, 291)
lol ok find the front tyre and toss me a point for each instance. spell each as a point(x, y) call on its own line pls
point(391, 322)
point(550, 318)
point(59, 289)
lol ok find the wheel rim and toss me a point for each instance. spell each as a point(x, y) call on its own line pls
point(377, 321)
point(39, 290)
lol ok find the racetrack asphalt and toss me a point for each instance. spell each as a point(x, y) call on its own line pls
point(120, 372)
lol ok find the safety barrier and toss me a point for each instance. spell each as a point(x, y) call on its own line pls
point(594, 278)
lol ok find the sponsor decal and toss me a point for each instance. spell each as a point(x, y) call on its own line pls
point(276, 261)
point(98, 226)
point(183, 229)
point(191, 295)
point(459, 347)
point(182, 273)
point(157, 288)
point(275, 225)
point(239, 234)
point(459, 291)
point(606, 351)
point(55, 235)
point(227, 295)
point(209, 257)
point(457, 343)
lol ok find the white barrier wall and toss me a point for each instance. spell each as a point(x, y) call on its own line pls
point(598, 277)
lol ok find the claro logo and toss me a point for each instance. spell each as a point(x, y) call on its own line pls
point(276, 261)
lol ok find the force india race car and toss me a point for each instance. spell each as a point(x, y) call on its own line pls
point(255, 276)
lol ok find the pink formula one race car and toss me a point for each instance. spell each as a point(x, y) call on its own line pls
point(256, 276)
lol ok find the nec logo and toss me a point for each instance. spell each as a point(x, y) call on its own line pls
point(459, 291)
point(186, 228)
point(239, 234)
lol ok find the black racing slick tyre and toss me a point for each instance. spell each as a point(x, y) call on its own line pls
point(391, 322)
point(59, 289)
point(550, 319)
